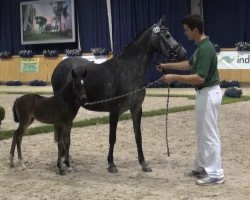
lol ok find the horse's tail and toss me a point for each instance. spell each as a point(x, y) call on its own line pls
point(15, 113)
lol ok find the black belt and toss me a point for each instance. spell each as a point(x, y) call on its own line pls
point(198, 88)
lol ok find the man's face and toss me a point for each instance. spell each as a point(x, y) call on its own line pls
point(188, 32)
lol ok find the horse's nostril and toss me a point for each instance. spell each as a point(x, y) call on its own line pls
point(185, 55)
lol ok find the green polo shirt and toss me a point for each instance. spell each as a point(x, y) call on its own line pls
point(204, 63)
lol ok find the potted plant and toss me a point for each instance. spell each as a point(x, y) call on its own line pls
point(14, 83)
point(37, 83)
point(5, 54)
point(26, 53)
point(50, 53)
point(2, 114)
point(217, 48)
point(99, 51)
point(73, 52)
point(233, 92)
point(242, 46)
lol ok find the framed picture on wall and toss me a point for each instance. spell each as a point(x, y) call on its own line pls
point(47, 21)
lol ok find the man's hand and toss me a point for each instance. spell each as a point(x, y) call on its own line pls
point(159, 67)
point(169, 78)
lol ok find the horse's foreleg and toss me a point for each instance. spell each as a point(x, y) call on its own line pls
point(113, 120)
point(60, 144)
point(136, 116)
point(59, 159)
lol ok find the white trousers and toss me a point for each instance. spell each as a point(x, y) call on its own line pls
point(208, 101)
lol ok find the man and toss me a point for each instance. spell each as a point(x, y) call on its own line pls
point(205, 78)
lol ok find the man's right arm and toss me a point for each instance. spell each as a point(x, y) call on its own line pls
point(183, 65)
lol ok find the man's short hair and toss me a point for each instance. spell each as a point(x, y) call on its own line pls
point(194, 21)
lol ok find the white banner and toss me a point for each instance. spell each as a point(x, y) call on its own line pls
point(234, 60)
point(96, 59)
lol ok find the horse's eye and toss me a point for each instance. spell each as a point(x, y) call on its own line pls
point(168, 35)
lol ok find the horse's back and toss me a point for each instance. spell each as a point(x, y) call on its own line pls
point(27, 101)
point(61, 74)
point(103, 81)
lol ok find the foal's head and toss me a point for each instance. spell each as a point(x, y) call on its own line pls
point(79, 87)
point(163, 42)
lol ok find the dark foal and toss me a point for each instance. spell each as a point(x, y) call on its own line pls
point(59, 110)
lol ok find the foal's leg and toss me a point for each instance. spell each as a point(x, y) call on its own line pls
point(113, 120)
point(20, 134)
point(17, 140)
point(136, 116)
point(23, 125)
point(13, 146)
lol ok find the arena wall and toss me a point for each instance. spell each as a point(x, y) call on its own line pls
point(10, 70)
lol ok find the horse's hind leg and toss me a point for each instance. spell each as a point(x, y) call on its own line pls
point(67, 146)
point(113, 120)
point(136, 116)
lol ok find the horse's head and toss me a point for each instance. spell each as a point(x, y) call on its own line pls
point(163, 42)
point(79, 87)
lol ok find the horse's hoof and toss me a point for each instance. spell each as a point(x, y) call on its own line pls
point(70, 169)
point(24, 167)
point(112, 169)
point(146, 169)
point(62, 173)
point(67, 163)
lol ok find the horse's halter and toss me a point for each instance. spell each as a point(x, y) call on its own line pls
point(172, 51)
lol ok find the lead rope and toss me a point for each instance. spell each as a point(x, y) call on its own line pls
point(167, 121)
point(121, 96)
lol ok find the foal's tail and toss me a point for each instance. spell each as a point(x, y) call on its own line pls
point(14, 113)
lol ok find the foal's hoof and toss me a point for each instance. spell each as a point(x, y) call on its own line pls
point(24, 167)
point(113, 169)
point(12, 165)
point(146, 168)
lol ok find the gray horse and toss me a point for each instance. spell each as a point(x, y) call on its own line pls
point(121, 75)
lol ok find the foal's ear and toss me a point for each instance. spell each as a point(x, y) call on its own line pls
point(84, 74)
point(73, 74)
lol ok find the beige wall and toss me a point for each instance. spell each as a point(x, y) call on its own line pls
point(235, 74)
point(241, 75)
point(10, 70)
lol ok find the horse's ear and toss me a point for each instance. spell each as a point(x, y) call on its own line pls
point(84, 74)
point(73, 74)
point(161, 21)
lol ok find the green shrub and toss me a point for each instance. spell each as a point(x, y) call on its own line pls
point(2, 114)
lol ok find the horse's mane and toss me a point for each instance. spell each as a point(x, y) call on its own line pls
point(135, 39)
